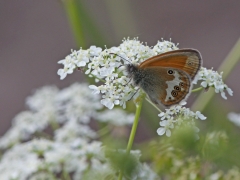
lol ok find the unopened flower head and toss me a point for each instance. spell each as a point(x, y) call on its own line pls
point(177, 116)
point(108, 66)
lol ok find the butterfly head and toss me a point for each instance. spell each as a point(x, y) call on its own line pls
point(131, 69)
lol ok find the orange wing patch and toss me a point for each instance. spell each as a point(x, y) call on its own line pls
point(188, 60)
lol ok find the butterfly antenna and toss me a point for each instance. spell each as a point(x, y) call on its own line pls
point(121, 57)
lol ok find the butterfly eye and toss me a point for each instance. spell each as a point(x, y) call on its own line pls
point(177, 88)
point(170, 71)
point(174, 93)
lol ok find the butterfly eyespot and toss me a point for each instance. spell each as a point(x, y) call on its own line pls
point(177, 88)
point(190, 63)
point(174, 93)
point(170, 72)
point(181, 84)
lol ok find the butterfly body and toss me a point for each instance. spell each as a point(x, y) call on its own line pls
point(167, 77)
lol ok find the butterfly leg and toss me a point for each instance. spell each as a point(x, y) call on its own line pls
point(127, 82)
point(153, 100)
point(134, 94)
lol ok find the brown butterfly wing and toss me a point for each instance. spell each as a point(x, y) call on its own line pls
point(187, 60)
point(164, 88)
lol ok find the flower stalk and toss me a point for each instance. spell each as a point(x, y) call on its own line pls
point(134, 129)
point(75, 21)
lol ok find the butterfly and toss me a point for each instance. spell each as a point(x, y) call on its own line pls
point(167, 78)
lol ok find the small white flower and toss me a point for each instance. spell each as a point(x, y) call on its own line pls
point(95, 51)
point(164, 46)
point(109, 102)
point(166, 126)
point(164, 115)
point(64, 72)
point(81, 58)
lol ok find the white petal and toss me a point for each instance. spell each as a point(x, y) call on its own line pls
point(93, 87)
point(62, 74)
point(196, 79)
point(230, 92)
point(88, 71)
point(182, 103)
point(107, 103)
point(168, 133)
point(160, 131)
point(161, 114)
point(235, 118)
point(163, 123)
point(81, 64)
point(223, 95)
point(201, 116)
point(61, 61)
point(204, 84)
point(116, 102)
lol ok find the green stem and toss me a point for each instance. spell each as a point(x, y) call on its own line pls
point(197, 89)
point(228, 64)
point(133, 131)
point(71, 7)
point(66, 175)
point(135, 124)
point(120, 19)
point(103, 131)
point(120, 176)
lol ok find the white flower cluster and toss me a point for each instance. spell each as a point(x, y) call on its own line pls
point(108, 66)
point(212, 78)
point(47, 157)
point(71, 149)
point(177, 116)
point(70, 108)
point(105, 66)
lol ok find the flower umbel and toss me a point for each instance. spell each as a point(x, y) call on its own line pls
point(108, 66)
point(177, 116)
point(211, 78)
point(105, 66)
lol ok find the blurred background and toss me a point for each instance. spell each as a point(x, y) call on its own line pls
point(35, 35)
